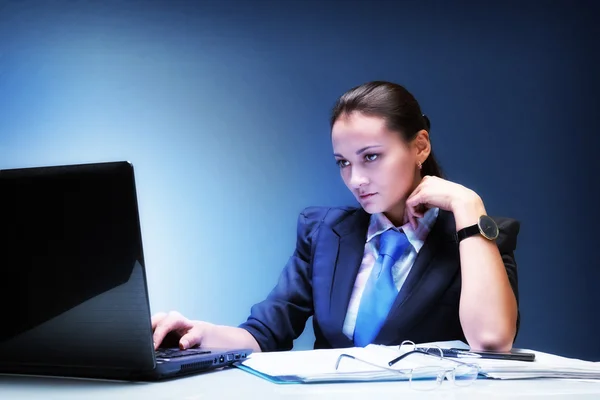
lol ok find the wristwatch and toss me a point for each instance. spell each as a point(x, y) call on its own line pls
point(486, 226)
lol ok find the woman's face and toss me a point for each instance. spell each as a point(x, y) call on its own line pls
point(378, 167)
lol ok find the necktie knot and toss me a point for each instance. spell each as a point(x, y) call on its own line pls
point(392, 243)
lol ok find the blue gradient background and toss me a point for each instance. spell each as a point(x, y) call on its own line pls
point(223, 107)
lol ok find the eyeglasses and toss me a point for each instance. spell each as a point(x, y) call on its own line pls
point(425, 377)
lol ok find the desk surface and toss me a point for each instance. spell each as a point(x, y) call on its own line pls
point(232, 383)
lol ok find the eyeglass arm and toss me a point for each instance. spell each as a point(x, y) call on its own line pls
point(395, 360)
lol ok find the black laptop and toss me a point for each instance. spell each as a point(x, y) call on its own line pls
point(73, 283)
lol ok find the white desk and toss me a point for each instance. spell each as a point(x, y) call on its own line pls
point(236, 383)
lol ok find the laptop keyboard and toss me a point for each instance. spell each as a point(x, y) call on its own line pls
point(173, 353)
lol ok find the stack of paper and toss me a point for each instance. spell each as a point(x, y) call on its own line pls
point(313, 366)
point(545, 366)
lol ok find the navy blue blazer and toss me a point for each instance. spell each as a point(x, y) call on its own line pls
point(319, 278)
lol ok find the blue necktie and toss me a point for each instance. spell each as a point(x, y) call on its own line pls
point(380, 290)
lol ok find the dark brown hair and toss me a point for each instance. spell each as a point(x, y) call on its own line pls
point(396, 105)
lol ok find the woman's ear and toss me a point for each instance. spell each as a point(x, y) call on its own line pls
point(421, 146)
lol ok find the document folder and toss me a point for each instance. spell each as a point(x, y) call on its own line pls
point(319, 366)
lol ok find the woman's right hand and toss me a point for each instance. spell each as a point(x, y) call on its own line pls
point(188, 332)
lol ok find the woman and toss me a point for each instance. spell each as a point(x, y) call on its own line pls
point(419, 260)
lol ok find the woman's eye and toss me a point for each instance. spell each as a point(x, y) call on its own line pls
point(371, 157)
point(342, 163)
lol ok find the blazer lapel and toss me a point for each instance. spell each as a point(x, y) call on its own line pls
point(432, 272)
point(351, 236)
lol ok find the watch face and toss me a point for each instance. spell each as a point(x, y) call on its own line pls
point(488, 227)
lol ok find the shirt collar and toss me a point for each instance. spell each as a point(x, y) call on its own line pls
point(379, 223)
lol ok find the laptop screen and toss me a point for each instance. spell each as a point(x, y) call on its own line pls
point(72, 268)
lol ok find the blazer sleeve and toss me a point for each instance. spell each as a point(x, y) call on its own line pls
point(507, 243)
point(281, 317)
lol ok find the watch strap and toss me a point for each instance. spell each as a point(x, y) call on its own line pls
point(467, 232)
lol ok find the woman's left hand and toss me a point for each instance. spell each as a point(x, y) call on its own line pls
point(443, 194)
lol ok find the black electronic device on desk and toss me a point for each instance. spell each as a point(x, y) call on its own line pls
point(514, 354)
